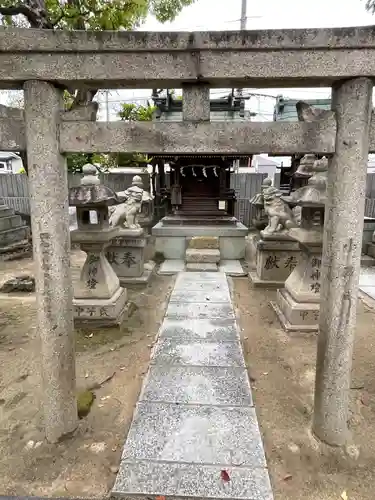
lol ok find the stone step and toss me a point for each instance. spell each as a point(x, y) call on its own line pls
point(10, 221)
point(367, 261)
point(202, 255)
point(5, 211)
point(201, 267)
point(202, 242)
point(13, 236)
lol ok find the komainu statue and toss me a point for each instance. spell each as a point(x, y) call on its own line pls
point(126, 214)
point(279, 213)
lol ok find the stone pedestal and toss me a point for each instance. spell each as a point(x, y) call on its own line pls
point(98, 298)
point(14, 234)
point(126, 256)
point(99, 301)
point(297, 305)
point(276, 257)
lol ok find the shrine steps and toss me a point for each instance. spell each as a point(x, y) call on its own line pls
point(194, 433)
point(229, 267)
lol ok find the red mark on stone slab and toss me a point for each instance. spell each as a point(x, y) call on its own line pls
point(160, 498)
point(225, 476)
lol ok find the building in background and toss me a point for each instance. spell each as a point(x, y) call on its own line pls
point(10, 163)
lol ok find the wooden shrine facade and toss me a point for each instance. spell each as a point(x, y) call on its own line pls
point(199, 189)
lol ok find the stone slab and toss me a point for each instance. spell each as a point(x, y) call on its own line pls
point(197, 353)
point(201, 242)
point(197, 385)
point(10, 222)
point(186, 277)
point(201, 267)
point(190, 231)
point(196, 296)
point(5, 211)
point(195, 434)
point(232, 268)
point(258, 283)
point(367, 261)
point(171, 266)
point(367, 277)
point(369, 290)
point(202, 255)
point(233, 247)
point(171, 247)
point(139, 280)
point(176, 481)
point(199, 311)
point(215, 330)
point(200, 286)
point(14, 235)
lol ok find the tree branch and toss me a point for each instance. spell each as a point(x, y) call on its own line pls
point(34, 20)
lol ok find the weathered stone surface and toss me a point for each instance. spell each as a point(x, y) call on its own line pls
point(201, 267)
point(275, 260)
point(179, 433)
point(196, 102)
point(199, 137)
point(195, 408)
point(206, 255)
point(48, 187)
point(213, 296)
point(296, 316)
point(199, 311)
point(187, 278)
point(126, 254)
point(191, 481)
point(98, 313)
point(231, 268)
point(200, 286)
point(188, 352)
point(171, 266)
point(216, 330)
point(200, 242)
point(197, 385)
point(9, 222)
point(342, 245)
point(19, 284)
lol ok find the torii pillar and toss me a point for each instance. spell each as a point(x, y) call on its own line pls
point(47, 174)
point(342, 243)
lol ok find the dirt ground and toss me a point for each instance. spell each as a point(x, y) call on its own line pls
point(281, 370)
point(282, 373)
point(85, 465)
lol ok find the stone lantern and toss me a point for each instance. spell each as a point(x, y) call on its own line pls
point(98, 298)
point(298, 303)
point(127, 249)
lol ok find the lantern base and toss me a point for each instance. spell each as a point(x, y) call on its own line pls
point(296, 316)
point(101, 313)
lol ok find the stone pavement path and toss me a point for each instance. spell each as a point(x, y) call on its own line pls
point(195, 416)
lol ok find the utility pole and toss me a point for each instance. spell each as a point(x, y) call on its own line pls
point(107, 105)
point(243, 14)
point(242, 27)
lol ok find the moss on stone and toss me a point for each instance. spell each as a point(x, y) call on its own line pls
point(85, 400)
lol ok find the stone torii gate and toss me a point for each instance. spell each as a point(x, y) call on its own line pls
point(44, 62)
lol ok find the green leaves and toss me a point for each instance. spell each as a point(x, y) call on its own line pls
point(134, 112)
point(91, 14)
